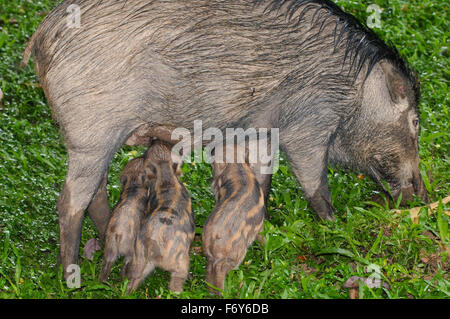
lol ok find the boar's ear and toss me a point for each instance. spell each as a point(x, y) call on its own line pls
point(395, 82)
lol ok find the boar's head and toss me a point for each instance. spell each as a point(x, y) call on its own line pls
point(381, 138)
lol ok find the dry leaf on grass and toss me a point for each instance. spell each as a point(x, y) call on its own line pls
point(90, 248)
point(414, 212)
point(1, 94)
point(353, 284)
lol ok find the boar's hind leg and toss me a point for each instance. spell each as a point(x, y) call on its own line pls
point(99, 209)
point(85, 173)
point(310, 168)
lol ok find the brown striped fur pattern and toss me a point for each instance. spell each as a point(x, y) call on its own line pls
point(125, 221)
point(235, 222)
point(167, 232)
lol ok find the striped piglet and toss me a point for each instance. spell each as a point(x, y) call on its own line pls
point(126, 217)
point(167, 232)
point(236, 219)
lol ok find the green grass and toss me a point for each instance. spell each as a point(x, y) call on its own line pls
point(303, 257)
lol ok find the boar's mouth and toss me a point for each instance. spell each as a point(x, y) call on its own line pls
point(415, 187)
point(419, 186)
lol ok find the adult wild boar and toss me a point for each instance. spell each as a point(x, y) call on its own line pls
point(337, 93)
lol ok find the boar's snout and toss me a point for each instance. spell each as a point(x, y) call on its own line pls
point(419, 186)
point(415, 186)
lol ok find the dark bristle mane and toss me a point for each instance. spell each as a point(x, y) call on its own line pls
point(362, 44)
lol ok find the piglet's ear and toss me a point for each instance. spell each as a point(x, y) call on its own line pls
point(396, 84)
point(177, 168)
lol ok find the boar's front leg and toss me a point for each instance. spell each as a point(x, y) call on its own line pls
point(310, 167)
point(99, 210)
point(84, 176)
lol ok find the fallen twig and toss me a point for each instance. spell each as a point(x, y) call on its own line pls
point(414, 212)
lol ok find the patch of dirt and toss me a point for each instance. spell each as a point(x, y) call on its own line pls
point(434, 262)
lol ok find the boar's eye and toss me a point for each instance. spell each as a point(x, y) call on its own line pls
point(416, 122)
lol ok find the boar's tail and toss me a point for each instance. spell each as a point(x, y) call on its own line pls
point(28, 51)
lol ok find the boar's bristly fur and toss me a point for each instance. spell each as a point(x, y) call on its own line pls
point(337, 93)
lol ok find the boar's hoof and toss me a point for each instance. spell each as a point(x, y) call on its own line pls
point(321, 203)
point(326, 216)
